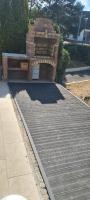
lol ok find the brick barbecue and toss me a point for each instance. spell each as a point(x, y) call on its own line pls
point(40, 61)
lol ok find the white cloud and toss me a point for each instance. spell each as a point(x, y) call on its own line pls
point(84, 2)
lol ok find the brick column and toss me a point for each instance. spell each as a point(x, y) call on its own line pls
point(54, 73)
point(30, 71)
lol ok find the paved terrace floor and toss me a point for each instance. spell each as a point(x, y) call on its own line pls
point(16, 176)
point(59, 126)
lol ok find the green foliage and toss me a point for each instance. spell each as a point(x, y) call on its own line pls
point(63, 61)
point(34, 13)
point(79, 52)
point(13, 25)
point(65, 13)
point(56, 28)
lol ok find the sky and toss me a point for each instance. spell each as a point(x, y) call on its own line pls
point(86, 3)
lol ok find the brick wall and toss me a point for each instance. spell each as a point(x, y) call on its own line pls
point(42, 44)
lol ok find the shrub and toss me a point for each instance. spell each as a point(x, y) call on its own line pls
point(79, 52)
point(56, 28)
point(63, 61)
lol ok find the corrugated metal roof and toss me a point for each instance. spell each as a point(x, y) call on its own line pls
point(59, 128)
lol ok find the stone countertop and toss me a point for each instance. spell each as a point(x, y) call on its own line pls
point(15, 55)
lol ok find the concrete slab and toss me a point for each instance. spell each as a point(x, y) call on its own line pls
point(4, 189)
point(24, 185)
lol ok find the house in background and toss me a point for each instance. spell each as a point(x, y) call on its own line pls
point(83, 32)
point(84, 36)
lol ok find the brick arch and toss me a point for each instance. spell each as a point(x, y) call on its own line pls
point(47, 71)
point(44, 62)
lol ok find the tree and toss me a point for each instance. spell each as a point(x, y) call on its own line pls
point(14, 20)
point(65, 13)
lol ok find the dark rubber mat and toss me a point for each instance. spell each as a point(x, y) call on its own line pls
point(59, 127)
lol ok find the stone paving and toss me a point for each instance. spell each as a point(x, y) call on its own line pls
point(16, 175)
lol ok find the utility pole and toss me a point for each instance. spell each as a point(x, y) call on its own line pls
point(84, 36)
point(79, 26)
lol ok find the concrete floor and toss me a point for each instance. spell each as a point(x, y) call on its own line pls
point(77, 76)
point(16, 175)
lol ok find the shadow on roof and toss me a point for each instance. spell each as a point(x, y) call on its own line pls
point(45, 93)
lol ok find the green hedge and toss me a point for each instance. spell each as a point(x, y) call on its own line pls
point(79, 52)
